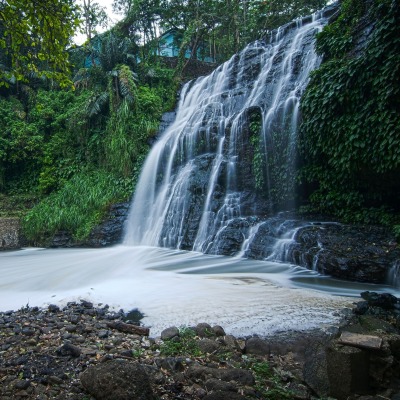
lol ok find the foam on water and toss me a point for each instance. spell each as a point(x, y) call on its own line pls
point(175, 287)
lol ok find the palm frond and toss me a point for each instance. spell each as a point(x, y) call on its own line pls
point(96, 104)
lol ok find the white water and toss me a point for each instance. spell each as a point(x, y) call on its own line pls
point(177, 288)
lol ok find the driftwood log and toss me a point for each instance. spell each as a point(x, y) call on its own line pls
point(128, 328)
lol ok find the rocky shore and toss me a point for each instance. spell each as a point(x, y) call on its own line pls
point(87, 351)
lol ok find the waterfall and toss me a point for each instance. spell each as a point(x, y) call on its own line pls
point(227, 161)
point(394, 275)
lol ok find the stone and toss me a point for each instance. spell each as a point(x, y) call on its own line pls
point(70, 328)
point(171, 364)
point(257, 346)
point(10, 234)
point(384, 300)
point(363, 341)
point(169, 333)
point(86, 304)
point(298, 391)
point(117, 380)
point(53, 308)
point(231, 342)
point(104, 333)
point(348, 370)
point(22, 385)
point(216, 384)
point(218, 330)
point(241, 376)
point(69, 349)
point(208, 345)
point(315, 372)
point(203, 329)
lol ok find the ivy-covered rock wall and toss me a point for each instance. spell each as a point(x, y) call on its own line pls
point(350, 134)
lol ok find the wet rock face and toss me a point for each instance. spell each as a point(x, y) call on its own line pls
point(359, 253)
point(111, 230)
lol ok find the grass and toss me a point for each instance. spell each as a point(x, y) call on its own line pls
point(268, 383)
point(76, 208)
point(183, 345)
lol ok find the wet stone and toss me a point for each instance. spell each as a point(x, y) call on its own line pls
point(22, 385)
point(169, 333)
point(53, 308)
point(69, 349)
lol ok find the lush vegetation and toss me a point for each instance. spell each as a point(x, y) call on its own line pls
point(350, 139)
point(82, 148)
point(33, 38)
point(73, 140)
point(217, 28)
point(76, 122)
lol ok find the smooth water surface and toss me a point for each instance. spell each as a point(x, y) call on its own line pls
point(177, 288)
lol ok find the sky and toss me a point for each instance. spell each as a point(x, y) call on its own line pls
point(114, 18)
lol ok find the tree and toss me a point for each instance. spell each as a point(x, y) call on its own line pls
point(141, 18)
point(34, 37)
point(94, 16)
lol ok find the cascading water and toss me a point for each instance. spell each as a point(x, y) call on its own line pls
point(228, 159)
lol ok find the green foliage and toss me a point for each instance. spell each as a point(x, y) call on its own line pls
point(350, 135)
point(76, 208)
point(115, 50)
point(34, 39)
point(20, 141)
point(183, 345)
point(268, 382)
point(396, 231)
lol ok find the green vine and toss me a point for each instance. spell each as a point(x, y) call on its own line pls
point(350, 134)
point(258, 156)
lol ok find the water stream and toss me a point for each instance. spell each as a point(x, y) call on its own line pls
point(178, 287)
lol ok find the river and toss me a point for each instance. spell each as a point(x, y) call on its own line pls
point(174, 287)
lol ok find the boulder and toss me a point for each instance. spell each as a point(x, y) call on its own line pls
point(348, 370)
point(257, 346)
point(169, 333)
point(315, 372)
point(208, 346)
point(117, 380)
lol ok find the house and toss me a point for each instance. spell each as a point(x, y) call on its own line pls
point(168, 46)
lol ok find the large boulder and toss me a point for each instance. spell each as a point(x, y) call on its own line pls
point(117, 380)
